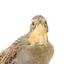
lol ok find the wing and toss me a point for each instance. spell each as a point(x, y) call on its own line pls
point(50, 49)
point(11, 51)
point(7, 54)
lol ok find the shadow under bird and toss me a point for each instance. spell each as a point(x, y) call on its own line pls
point(32, 48)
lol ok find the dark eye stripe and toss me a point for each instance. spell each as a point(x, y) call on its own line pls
point(33, 23)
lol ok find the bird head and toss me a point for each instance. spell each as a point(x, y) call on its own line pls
point(39, 24)
point(38, 30)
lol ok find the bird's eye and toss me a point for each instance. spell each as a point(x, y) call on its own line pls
point(33, 23)
point(45, 22)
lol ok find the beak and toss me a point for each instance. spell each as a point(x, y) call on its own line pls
point(39, 28)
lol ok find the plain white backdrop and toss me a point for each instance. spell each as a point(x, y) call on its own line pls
point(15, 19)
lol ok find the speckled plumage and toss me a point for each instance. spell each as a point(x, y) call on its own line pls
point(32, 48)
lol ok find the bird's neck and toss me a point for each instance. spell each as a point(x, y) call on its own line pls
point(37, 37)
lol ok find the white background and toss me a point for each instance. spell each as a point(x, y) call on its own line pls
point(15, 19)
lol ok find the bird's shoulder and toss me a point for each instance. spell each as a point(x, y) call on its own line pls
point(11, 51)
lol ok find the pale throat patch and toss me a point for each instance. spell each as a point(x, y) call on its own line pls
point(38, 36)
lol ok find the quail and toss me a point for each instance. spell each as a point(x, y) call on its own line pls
point(32, 48)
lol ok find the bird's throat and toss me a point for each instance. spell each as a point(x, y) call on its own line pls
point(38, 36)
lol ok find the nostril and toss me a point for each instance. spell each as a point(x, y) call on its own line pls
point(40, 21)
